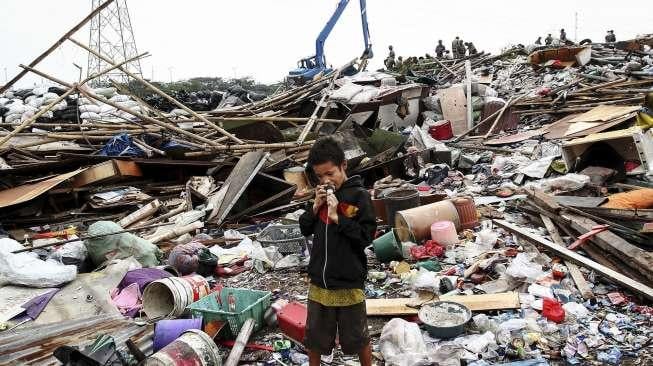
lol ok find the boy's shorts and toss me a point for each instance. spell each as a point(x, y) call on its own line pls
point(349, 322)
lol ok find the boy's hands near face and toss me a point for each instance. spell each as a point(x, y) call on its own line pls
point(320, 198)
point(332, 203)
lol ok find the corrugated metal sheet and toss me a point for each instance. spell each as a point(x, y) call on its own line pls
point(35, 345)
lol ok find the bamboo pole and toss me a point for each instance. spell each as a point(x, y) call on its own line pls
point(159, 92)
point(277, 145)
point(71, 89)
point(56, 44)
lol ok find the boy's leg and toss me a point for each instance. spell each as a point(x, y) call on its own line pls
point(353, 334)
point(321, 328)
point(365, 355)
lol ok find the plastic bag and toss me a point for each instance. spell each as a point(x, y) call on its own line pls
point(27, 269)
point(74, 250)
point(477, 343)
point(89, 108)
point(566, 183)
point(523, 267)
point(90, 115)
point(426, 280)
point(119, 246)
point(401, 344)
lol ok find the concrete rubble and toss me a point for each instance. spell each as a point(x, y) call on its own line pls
point(533, 208)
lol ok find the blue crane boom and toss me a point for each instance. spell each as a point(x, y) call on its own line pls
point(311, 66)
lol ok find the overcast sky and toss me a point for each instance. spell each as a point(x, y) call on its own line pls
point(265, 38)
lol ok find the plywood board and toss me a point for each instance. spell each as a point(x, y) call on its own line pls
point(558, 129)
point(454, 107)
point(236, 183)
point(387, 307)
point(580, 126)
point(604, 126)
point(604, 113)
point(26, 192)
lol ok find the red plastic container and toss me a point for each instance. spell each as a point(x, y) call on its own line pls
point(292, 321)
point(442, 130)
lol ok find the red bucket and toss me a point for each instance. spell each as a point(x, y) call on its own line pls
point(442, 130)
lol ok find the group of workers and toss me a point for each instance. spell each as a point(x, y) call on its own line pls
point(458, 47)
point(609, 38)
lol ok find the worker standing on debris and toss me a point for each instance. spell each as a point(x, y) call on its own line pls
point(471, 49)
point(454, 47)
point(461, 48)
point(342, 222)
point(563, 36)
point(439, 49)
point(390, 60)
point(399, 64)
point(538, 41)
point(548, 40)
point(610, 37)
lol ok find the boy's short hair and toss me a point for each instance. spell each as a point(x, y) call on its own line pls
point(326, 149)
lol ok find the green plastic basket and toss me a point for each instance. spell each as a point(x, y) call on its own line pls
point(249, 304)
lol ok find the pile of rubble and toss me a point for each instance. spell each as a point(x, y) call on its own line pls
point(513, 198)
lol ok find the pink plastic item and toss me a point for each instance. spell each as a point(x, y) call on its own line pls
point(444, 232)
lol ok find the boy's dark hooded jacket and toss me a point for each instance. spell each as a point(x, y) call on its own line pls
point(338, 259)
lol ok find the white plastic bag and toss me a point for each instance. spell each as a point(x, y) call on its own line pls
point(566, 183)
point(89, 108)
point(401, 344)
point(27, 269)
point(523, 267)
point(90, 115)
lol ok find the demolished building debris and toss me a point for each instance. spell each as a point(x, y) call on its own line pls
point(518, 186)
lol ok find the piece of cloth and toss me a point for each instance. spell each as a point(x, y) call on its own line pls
point(635, 199)
point(338, 258)
point(340, 297)
point(348, 322)
point(142, 277)
point(128, 301)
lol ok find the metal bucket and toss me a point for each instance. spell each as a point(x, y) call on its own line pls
point(444, 319)
point(418, 220)
point(169, 297)
point(193, 347)
point(398, 200)
point(166, 331)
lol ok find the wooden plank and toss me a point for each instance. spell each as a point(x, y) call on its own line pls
point(604, 113)
point(575, 273)
point(453, 103)
point(576, 201)
point(468, 85)
point(579, 259)
point(387, 307)
point(636, 258)
point(107, 171)
point(545, 201)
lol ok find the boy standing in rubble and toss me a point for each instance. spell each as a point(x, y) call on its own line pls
point(342, 222)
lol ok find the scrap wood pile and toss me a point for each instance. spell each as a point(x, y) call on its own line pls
point(512, 191)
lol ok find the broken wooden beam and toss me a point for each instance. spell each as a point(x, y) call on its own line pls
point(240, 343)
point(575, 273)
